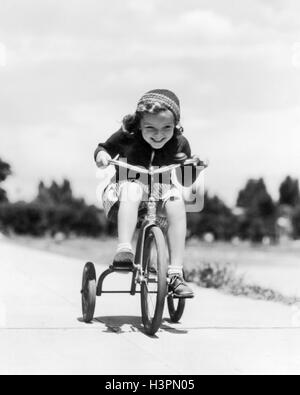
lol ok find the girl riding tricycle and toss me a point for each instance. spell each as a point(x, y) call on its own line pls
point(150, 147)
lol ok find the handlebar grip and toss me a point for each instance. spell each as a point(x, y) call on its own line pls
point(180, 158)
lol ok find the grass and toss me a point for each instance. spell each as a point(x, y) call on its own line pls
point(85, 249)
point(224, 278)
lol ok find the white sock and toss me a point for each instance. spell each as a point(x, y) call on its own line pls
point(124, 247)
point(174, 270)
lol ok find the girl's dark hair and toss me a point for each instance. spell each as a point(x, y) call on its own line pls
point(131, 123)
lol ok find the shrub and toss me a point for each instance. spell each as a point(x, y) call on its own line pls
point(216, 218)
point(296, 223)
point(223, 277)
point(37, 219)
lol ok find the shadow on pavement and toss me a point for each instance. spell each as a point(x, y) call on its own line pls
point(131, 324)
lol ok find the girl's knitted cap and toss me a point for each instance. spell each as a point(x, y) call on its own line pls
point(163, 97)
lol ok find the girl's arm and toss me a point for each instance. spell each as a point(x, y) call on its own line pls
point(186, 177)
point(113, 146)
point(184, 146)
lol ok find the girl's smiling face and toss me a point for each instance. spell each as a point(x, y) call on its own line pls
point(158, 129)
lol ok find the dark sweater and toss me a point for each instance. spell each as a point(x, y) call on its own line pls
point(138, 152)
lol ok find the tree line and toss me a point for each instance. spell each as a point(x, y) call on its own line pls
point(55, 210)
point(256, 217)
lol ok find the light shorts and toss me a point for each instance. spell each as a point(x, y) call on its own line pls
point(112, 195)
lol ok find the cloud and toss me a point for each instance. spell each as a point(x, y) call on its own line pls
point(3, 55)
point(203, 24)
point(143, 7)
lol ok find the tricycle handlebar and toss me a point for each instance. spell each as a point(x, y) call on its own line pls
point(161, 170)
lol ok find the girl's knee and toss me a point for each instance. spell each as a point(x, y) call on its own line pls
point(131, 192)
point(175, 208)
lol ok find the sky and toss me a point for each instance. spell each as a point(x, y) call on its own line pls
point(71, 69)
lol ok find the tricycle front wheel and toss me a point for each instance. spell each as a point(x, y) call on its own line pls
point(154, 286)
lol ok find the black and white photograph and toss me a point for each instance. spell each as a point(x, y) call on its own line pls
point(149, 190)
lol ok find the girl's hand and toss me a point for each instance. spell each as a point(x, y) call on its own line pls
point(199, 162)
point(103, 159)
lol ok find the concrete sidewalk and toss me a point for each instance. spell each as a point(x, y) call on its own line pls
point(41, 332)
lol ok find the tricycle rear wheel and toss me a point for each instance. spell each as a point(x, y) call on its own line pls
point(88, 292)
point(176, 308)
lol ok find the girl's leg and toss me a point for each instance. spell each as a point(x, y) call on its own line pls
point(131, 197)
point(176, 237)
point(176, 214)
